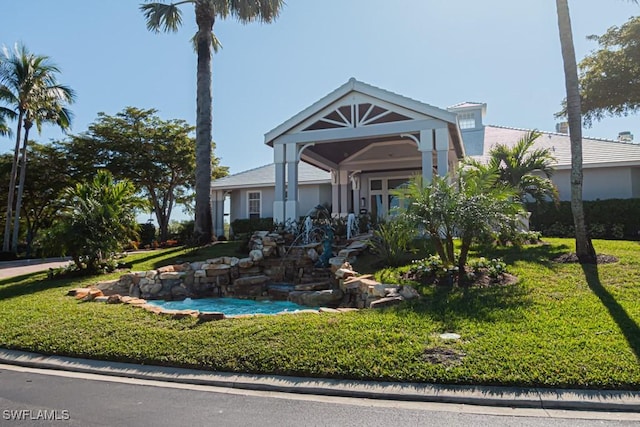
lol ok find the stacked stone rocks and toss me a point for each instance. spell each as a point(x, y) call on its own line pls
point(273, 270)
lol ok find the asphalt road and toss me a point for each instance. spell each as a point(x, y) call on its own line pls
point(27, 266)
point(28, 396)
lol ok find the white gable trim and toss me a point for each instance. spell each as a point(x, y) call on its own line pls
point(326, 104)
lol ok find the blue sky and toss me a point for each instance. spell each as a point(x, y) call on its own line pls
point(502, 52)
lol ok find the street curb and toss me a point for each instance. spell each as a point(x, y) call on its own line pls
point(565, 399)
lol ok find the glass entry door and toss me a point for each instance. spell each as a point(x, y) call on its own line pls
point(382, 202)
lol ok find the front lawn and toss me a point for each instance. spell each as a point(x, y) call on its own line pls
point(559, 326)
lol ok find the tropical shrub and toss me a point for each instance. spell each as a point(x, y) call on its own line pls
point(391, 241)
point(471, 206)
point(98, 218)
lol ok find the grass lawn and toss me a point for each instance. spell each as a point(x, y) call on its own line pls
point(561, 325)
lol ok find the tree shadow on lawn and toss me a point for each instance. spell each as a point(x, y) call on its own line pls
point(156, 254)
point(487, 304)
point(15, 286)
point(627, 325)
point(539, 254)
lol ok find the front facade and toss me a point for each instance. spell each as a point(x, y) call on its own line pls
point(350, 149)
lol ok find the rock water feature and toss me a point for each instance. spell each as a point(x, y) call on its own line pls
point(274, 270)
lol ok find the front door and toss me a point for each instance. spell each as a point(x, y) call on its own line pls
point(382, 202)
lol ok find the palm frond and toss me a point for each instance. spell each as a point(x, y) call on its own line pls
point(215, 43)
point(162, 17)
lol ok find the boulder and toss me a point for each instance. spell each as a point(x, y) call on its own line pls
point(317, 286)
point(166, 269)
point(377, 290)
point(232, 261)
point(386, 302)
point(179, 291)
point(171, 275)
point(245, 263)
point(91, 295)
point(407, 292)
point(248, 287)
point(256, 255)
point(335, 263)
point(78, 292)
point(114, 299)
point(208, 316)
point(345, 273)
point(312, 254)
point(317, 298)
point(134, 291)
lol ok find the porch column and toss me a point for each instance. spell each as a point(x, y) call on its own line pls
point(442, 147)
point(335, 193)
point(217, 212)
point(291, 206)
point(344, 192)
point(278, 203)
point(426, 149)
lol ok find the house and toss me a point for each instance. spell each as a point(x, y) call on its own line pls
point(349, 149)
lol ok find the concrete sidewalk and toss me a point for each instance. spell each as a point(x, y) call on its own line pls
point(587, 400)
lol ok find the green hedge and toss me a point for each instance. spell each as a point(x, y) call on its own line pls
point(605, 219)
point(247, 226)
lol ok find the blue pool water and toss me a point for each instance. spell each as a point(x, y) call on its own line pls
point(230, 306)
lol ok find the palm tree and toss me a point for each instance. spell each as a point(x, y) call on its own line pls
point(48, 109)
point(5, 113)
point(167, 17)
point(584, 248)
point(517, 166)
point(29, 86)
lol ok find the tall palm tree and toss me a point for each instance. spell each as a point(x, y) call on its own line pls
point(168, 17)
point(584, 248)
point(517, 167)
point(28, 85)
point(47, 109)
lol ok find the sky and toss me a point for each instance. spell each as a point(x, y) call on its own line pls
point(502, 52)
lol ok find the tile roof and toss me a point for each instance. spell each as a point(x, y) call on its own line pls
point(265, 176)
point(595, 151)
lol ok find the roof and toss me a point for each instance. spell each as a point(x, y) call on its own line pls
point(596, 152)
point(265, 176)
point(354, 85)
point(467, 104)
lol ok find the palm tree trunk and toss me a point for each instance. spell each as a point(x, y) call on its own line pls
point(205, 18)
point(584, 248)
point(12, 186)
point(23, 170)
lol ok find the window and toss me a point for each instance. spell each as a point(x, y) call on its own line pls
point(382, 202)
point(254, 204)
point(467, 120)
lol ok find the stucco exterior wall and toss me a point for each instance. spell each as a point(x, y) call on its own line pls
point(598, 183)
point(635, 182)
point(309, 197)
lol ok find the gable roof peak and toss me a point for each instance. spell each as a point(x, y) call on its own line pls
point(354, 85)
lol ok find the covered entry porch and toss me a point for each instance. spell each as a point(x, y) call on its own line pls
point(370, 140)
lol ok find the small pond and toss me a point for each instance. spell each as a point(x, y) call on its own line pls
point(230, 306)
